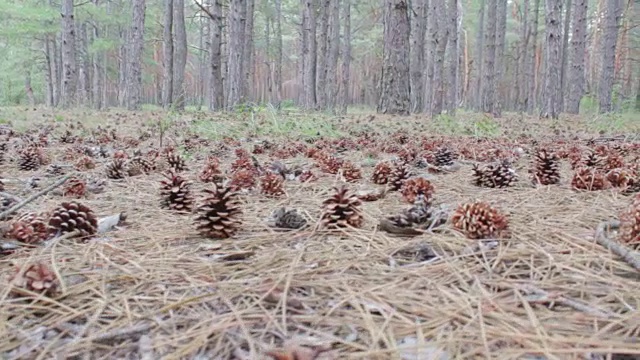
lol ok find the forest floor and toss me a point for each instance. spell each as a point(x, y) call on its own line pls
point(154, 288)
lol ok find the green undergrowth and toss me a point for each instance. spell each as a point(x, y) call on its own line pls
point(468, 124)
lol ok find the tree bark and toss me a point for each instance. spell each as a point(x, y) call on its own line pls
point(310, 56)
point(395, 83)
point(344, 98)
point(334, 51)
point(237, 22)
point(123, 68)
point(134, 78)
point(489, 82)
point(565, 54)
point(180, 51)
point(453, 57)
point(612, 16)
point(97, 77)
point(69, 67)
point(167, 55)
point(49, 75)
point(442, 37)
point(523, 60)
point(29, 90)
point(479, 58)
point(578, 47)
point(216, 89)
point(323, 41)
point(277, 72)
point(501, 31)
point(84, 78)
point(418, 29)
point(430, 55)
point(553, 42)
point(532, 95)
point(248, 66)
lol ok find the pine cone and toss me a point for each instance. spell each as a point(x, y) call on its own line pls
point(211, 171)
point(243, 163)
point(176, 162)
point(546, 168)
point(67, 138)
point(494, 175)
point(306, 176)
point(444, 157)
point(218, 217)
point(630, 224)
point(36, 278)
point(84, 163)
point(287, 219)
point(176, 193)
point(116, 169)
point(417, 186)
point(139, 165)
point(272, 185)
point(243, 179)
point(29, 158)
point(382, 173)
point(613, 161)
point(479, 220)
point(350, 172)
point(341, 210)
point(398, 176)
point(120, 154)
point(589, 179)
point(72, 216)
point(74, 187)
point(96, 185)
point(414, 220)
point(621, 178)
point(29, 228)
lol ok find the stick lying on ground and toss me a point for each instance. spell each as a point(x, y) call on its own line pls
point(625, 253)
point(26, 201)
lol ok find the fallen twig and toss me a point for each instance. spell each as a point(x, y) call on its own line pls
point(26, 201)
point(625, 253)
point(566, 301)
point(10, 196)
point(123, 334)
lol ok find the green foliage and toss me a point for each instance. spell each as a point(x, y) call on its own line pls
point(454, 125)
point(613, 123)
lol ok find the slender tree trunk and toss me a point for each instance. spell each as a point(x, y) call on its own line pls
point(123, 68)
point(479, 58)
point(310, 55)
point(418, 29)
point(216, 90)
point(344, 98)
point(553, 15)
point(49, 76)
point(69, 67)
point(134, 80)
point(565, 54)
point(501, 31)
point(532, 93)
point(489, 82)
point(523, 60)
point(29, 90)
point(277, 72)
point(442, 37)
point(321, 78)
point(430, 55)
point(180, 51)
point(395, 83)
point(334, 51)
point(453, 57)
point(97, 68)
point(167, 55)
point(612, 16)
point(578, 47)
point(248, 67)
point(203, 60)
point(302, 56)
point(84, 87)
point(237, 21)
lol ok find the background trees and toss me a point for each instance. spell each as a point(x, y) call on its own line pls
point(487, 55)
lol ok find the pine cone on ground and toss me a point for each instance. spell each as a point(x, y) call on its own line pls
point(243, 163)
point(382, 173)
point(243, 179)
point(120, 154)
point(342, 210)
point(588, 159)
point(72, 216)
point(478, 220)
point(218, 217)
point(116, 169)
point(350, 172)
point(29, 158)
point(444, 157)
point(176, 162)
point(211, 171)
point(176, 193)
point(630, 224)
point(272, 185)
point(84, 163)
point(139, 165)
point(29, 228)
point(589, 179)
point(306, 176)
point(287, 219)
point(414, 187)
point(55, 170)
point(96, 185)
point(36, 278)
point(621, 178)
point(67, 138)
point(613, 161)
point(74, 187)
point(330, 164)
point(546, 168)
point(414, 220)
point(494, 175)
point(398, 176)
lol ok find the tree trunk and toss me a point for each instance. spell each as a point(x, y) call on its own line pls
point(442, 37)
point(216, 90)
point(321, 78)
point(532, 95)
point(489, 82)
point(277, 73)
point(430, 55)
point(612, 16)
point(479, 58)
point(302, 56)
point(418, 28)
point(167, 55)
point(565, 54)
point(237, 22)
point(578, 46)
point(395, 83)
point(49, 75)
point(248, 66)
point(134, 78)
point(97, 69)
point(29, 90)
point(310, 55)
point(123, 68)
point(334, 51)
point(180, 51)
point(69, 68)
point(453, 57)
point(501, 31)
point(553, 42)
point(346, 57)
point(84, 87)
point(523, 60)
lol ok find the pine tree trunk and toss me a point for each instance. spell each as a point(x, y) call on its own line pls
point(553, 44)
point(277, 72)
point(334, 52)
point(501, 31)
point(565, 54)
point(216, 89)
point(302, 56)
point(453, 57)
point(489, 68)
point(134, 78)
point(97, 69)
point(430, 55)
point(523, 60)
point(344, 97)
point(442, 37)
point(180, 52)
point(576, 76)
point(418, 29)
point(612, 16)
point(479, 58)
point(310, 56)
point(167, 55)
point(49, 75)
point(532, 95)
point(248, 66)
point(323, 41)
point(69, 67)
point(237, 22)
point(395, 83)
point(123, 68)
point(29, 90)
point(84, 89)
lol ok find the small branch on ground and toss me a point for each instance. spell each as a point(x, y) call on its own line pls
point(23, 203)
point(625, 253)
point(543, 296)
point(10, 196)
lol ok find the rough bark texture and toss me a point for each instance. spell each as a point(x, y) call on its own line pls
point(418, 28)
point(565, 53)
point(179, 54)
point(247, 67)
point(501, 31)
point(489, 81)
point(576, 71)
point(323, 42)
point(430, 54)
point(82, 53)
point(237, 20)
point(49, 53)
point(442, 37)
point(395, 83)
point(553, 42)
point(167, 55)
point(346, 58)
point(453, 57)
point(334, 51)
point(123, 68)
point(612, 16)
point(69, 68)
point(216, 86)
point(522, 86)
point(310, 57)
point(531, 62)
point(277, 72)
point(98, 65)
point(134, 79)
point(478, 59)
